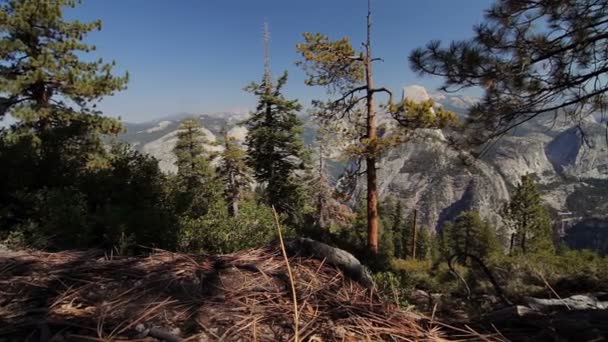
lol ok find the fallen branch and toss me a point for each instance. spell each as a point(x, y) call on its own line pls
point(291, 279)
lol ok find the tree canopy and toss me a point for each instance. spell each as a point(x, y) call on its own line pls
point(45, 82)
point(529, 220)
point(530, 57)
point(275, 149)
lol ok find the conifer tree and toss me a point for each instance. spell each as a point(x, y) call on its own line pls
point(275, 150)
point(530, 57)
point(49, 89)
point(196, 184)
point(528, 219)
point(469, 234)
point(235, 174)
point(416, 244)
point(398, 225)
point(331, 212)
point(322, 189)
point(387, 241)
point(193, 164)
point(336, 65)
point(424, 244)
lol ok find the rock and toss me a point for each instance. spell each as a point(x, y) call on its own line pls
point(333, 256)
point(162, 149)
point(511, 313)
point(420, 298)
point(4, 249)
point(425, 174)
point(577, 302)
point(428, 175)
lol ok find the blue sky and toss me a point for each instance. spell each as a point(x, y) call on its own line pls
point(195, 56)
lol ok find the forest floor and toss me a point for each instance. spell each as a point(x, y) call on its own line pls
point(245, 296)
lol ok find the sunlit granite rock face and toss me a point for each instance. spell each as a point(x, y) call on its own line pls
point(570, 163)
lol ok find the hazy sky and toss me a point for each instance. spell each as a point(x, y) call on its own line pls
point(196, 55)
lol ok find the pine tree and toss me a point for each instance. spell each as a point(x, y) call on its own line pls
point(50, 87)
point(321, 187)
point(387, 241)
point(424, 244)
point(397, 218)
point(528, 219)
point(50, 90)
point(331, 212)
point(410, 236)
point(469, 234)
point(235, 174)
point(336, 65)
point(193, 164)
point(531, 57)
point(275, 149)
point(196, 184)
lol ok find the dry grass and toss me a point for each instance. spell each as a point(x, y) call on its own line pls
point(245, 296)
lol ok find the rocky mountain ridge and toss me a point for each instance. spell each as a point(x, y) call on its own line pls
point(569, 162)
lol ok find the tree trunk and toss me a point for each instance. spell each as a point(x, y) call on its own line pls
point(233, 209)
point(467, 237)
point(372, 205)
point(320, 195)
point(523, 234)
point(414, 233)
point(372, 179)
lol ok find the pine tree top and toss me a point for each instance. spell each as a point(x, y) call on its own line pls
point(43, 73)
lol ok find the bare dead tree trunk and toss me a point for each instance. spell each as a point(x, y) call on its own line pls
point(233, 190)
point(320, 195)
point(372, 178)
point(414, 233)
point(234, 200)
point(512, 244)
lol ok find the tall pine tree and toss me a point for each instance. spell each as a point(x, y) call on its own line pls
point(235, 174)
point(530, 57)
point(196, 184)
point(337, 66)
point(50, 88)
point(528, 220)
point(469, 234)
point(275, 149)
point(398, 222)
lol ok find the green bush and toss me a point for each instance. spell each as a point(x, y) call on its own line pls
point(218, 232)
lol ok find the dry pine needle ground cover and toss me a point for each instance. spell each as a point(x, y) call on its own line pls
point(246, 296)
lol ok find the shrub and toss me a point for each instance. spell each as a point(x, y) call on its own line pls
point(218, 232)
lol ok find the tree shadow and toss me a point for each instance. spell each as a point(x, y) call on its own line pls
point(49, 294)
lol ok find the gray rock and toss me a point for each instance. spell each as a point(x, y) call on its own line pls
point(577, 302)
point(333, 256)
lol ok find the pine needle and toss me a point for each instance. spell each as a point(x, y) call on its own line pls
point(291, 278)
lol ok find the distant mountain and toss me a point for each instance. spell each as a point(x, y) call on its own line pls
point(570, 163)
point(158, 137)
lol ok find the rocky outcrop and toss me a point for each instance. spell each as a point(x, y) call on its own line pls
point(337, 257)
point(576, 318)
point(162, 149)
point(580, 152)
point(570, 163)
point(428, 176)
